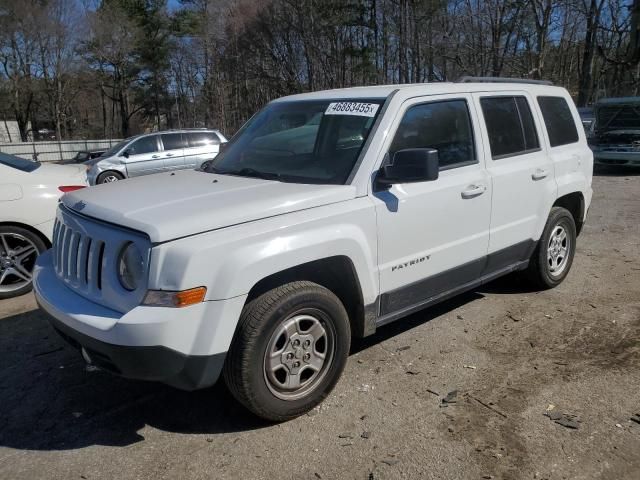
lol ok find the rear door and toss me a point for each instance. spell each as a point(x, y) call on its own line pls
point(522, 176)
point(173, 146)
point(201, 146)
point(143, 156)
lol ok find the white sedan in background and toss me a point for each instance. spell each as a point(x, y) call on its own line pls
point(29, 193)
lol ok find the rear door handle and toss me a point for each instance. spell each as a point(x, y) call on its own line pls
point(473, 191)
point(169, 154)
point(539, 174)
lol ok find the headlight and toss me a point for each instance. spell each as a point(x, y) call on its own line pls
point(130, 267)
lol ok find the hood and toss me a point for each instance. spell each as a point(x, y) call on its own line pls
point(166, 206)
point(617, 116)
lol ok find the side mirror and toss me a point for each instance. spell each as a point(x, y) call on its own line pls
point(410, 166)
point(125, 154)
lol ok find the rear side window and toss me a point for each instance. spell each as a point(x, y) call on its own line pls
point(173, 141)
point(510, 126)
point(558, 120)
point(202, 139)
point(444, 126)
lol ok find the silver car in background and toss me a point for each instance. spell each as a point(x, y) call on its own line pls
point(154, 153)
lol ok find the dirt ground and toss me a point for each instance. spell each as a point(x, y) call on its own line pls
point(508, 351)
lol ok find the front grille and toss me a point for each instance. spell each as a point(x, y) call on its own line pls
point(85, 253)
point(77, 258)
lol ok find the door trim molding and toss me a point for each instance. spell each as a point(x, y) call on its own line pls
point(418, 295)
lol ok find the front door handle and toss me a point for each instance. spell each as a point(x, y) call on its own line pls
point(155, 156)
point(539, 174)
point(473, 191)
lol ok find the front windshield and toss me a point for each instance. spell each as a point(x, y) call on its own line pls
point(18, 163)
point(116, 148)
point(301, 141)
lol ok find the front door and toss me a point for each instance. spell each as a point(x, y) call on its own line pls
point(433, 236)
point(143, 156)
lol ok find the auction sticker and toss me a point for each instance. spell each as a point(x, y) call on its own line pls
point(352, 108)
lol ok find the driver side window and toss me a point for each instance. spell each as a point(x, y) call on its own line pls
point(144, 145)
point(444, 126)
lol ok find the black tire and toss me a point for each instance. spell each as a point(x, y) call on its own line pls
point(245, 370)
point(107, 177)
point(17, 237)
point(540, 270)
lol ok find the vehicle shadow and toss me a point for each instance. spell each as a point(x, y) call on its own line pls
point(51, 401)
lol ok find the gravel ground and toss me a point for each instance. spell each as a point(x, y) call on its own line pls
point(508, 351)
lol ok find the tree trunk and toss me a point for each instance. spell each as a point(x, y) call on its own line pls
point(585, 88)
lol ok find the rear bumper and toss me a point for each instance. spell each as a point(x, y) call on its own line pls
point(616, 158)
point(159, 364)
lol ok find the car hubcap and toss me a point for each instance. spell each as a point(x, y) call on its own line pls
point(110, 178)
point(298, 355)
point(17, 259)
point(558, 250)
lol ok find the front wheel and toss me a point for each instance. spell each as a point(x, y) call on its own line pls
point(552, 259)
point(289, 350)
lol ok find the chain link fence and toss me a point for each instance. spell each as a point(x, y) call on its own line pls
point(54, 151)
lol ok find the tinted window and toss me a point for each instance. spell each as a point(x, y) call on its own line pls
point(173, 141)
point(143, 145)
point(510, 125)
point(202, 139)
point(444, 126)
point(18, 163)
point(558, 120)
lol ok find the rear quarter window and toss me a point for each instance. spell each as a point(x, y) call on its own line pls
point(558, 120)
point(18, 163)
point(202, 139)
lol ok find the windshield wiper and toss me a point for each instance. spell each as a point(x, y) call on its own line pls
point(250, 172)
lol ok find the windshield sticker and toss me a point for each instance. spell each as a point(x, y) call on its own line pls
point(352, 108)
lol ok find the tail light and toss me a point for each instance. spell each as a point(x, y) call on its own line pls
point(70, 188)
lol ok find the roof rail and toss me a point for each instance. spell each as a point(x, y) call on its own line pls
point(468, 79)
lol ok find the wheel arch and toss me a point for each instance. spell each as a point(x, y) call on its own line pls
point(574, 202)
point(337, 274)
point(116, 172)
point(30, 228)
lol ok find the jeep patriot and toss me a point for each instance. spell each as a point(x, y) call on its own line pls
point(328, 215)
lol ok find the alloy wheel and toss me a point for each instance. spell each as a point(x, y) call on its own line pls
point(17, 259)
point(298, 355)
point(558, 250)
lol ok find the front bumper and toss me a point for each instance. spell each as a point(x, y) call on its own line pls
point(94, 172)
point(182, 347)
point(160, 364)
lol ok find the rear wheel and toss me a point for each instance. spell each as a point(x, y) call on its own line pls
point(289, 351)
point(109, 177)
point(19, 249)
point(553, 257)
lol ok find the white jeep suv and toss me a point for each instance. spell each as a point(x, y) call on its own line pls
point(328, 215)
